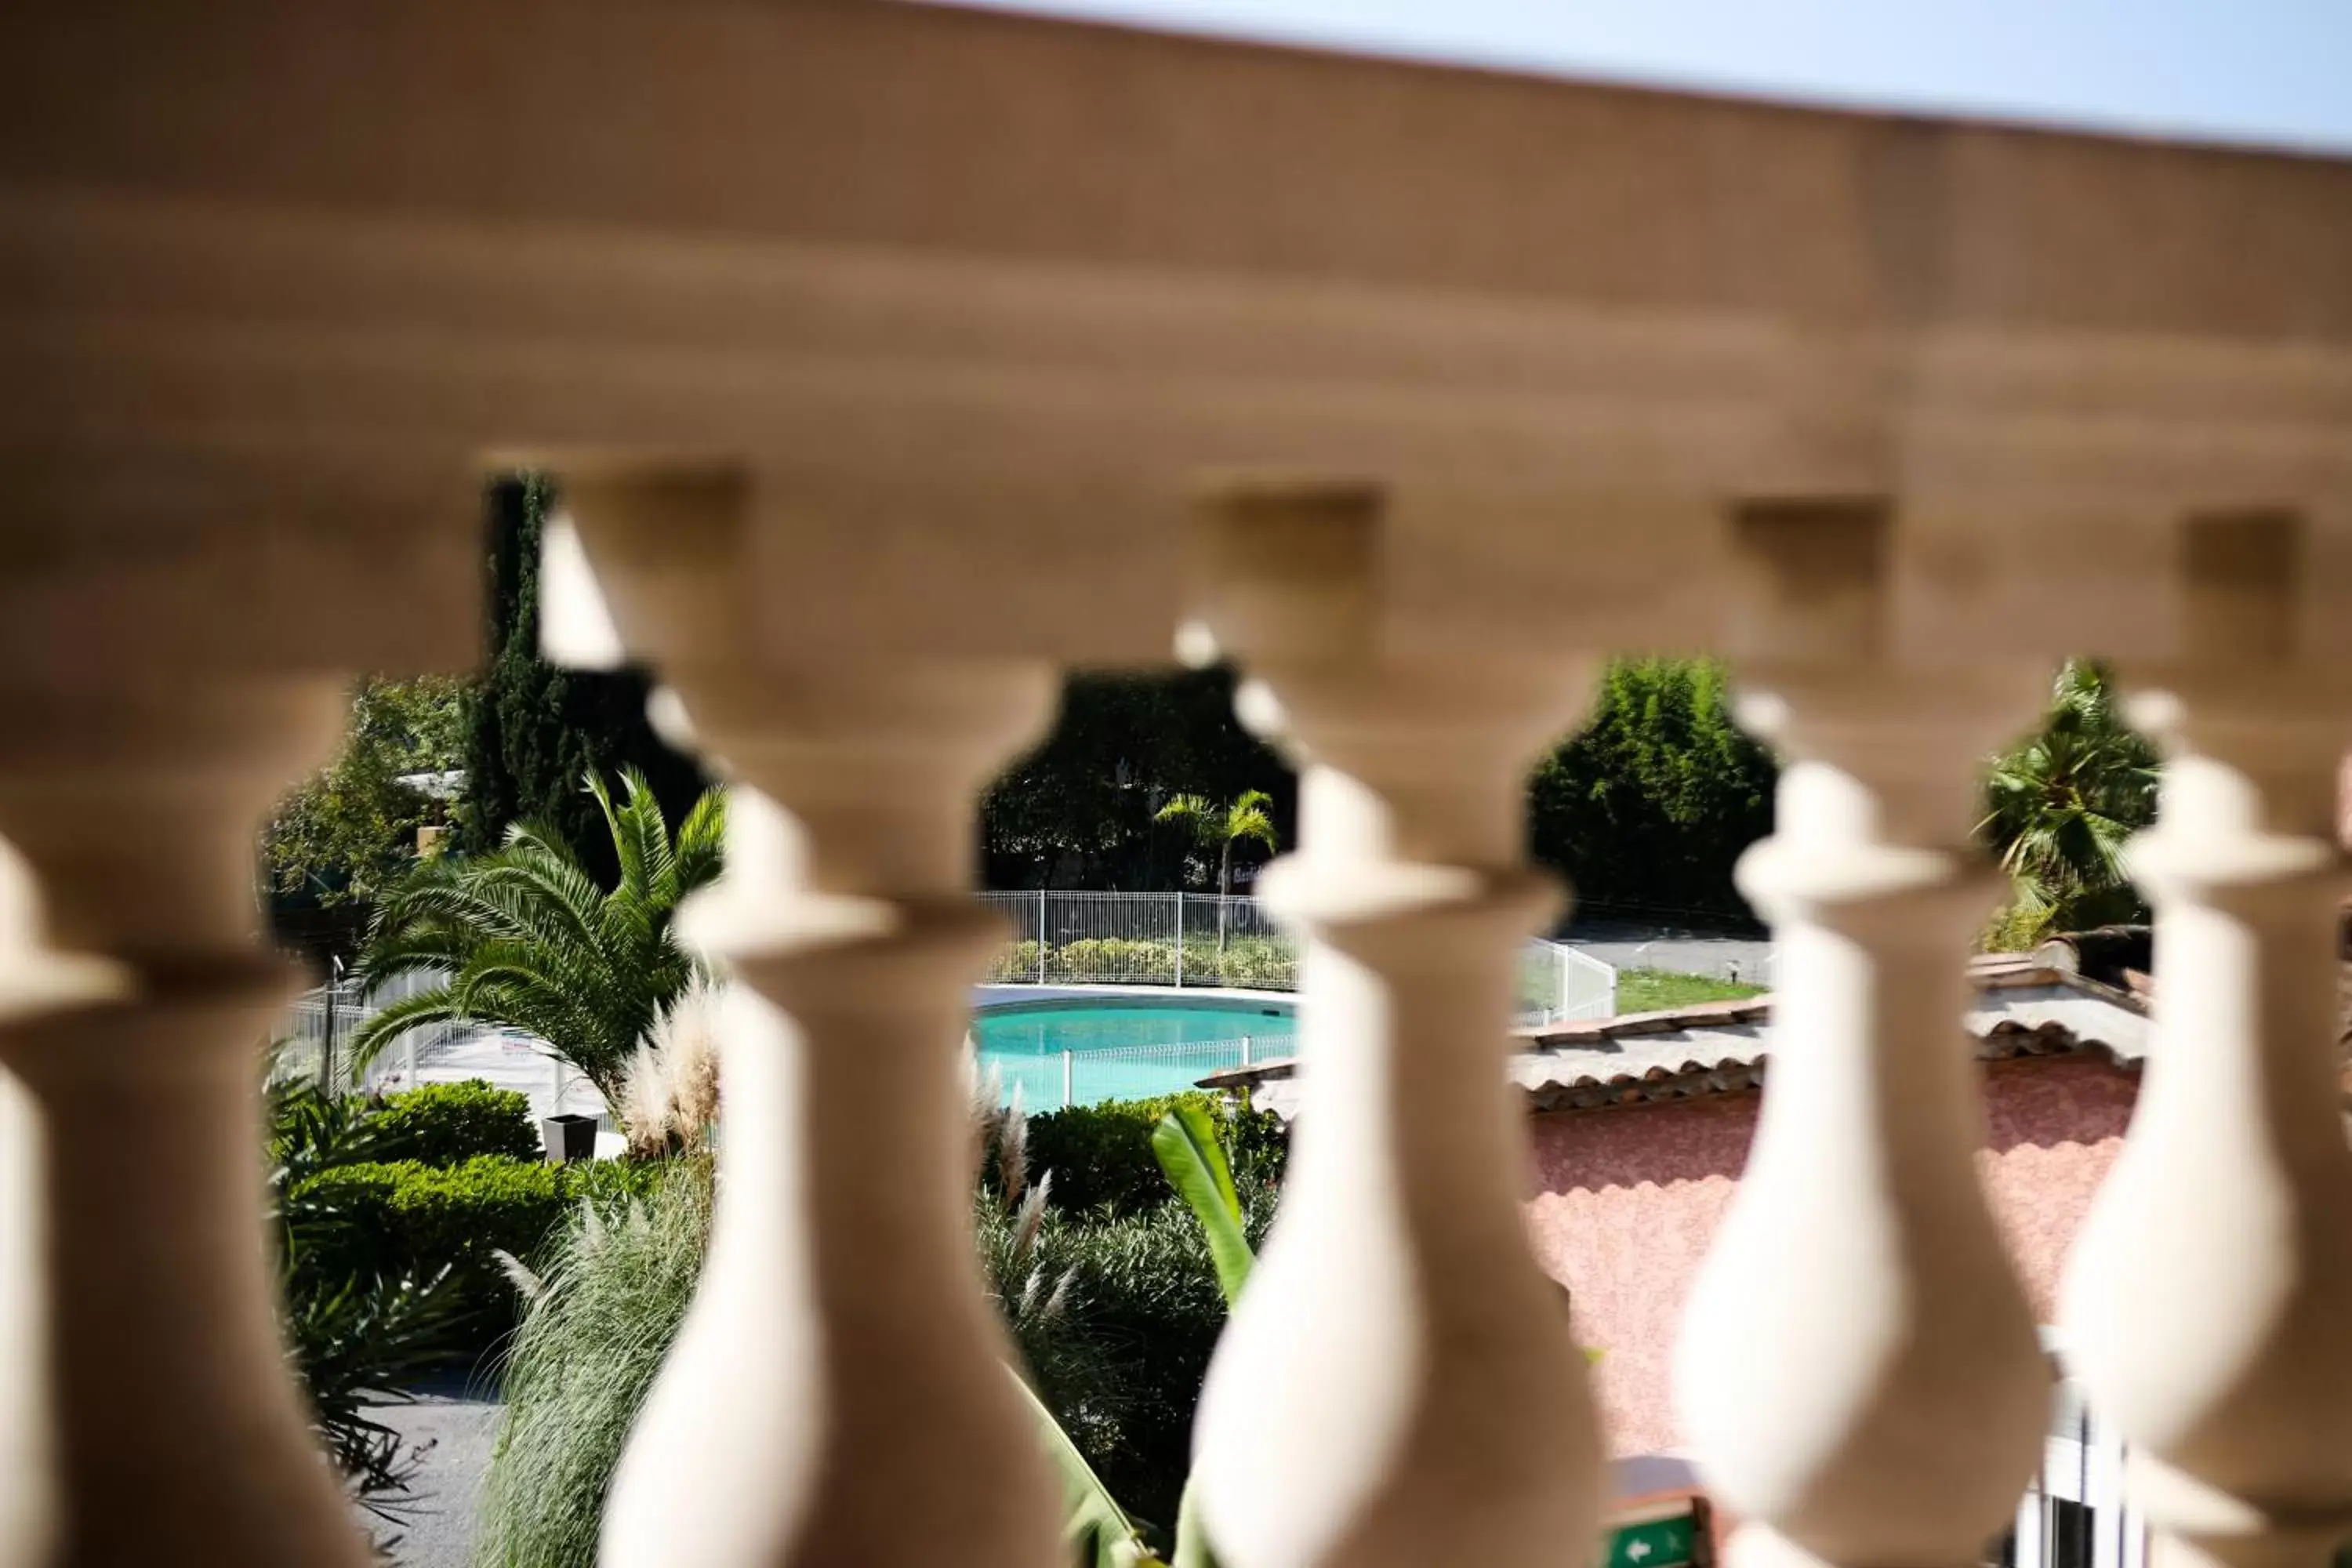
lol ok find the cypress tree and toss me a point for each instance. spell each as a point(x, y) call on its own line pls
point(533, 731)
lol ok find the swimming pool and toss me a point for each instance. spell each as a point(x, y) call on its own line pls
point(1076, 1049)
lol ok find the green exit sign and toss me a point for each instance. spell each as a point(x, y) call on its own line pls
point(1670, 1543)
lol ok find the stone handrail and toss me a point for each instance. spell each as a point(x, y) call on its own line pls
point(893, 360)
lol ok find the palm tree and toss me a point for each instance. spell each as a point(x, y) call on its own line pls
point(1246, 819)
point(2061, 806)
point(529, 938)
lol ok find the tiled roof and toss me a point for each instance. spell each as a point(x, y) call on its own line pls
point(2023, 1008)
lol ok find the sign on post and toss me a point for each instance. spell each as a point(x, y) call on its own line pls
point(1668, 1534)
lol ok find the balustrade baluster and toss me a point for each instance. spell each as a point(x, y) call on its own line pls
point(838, 1393)
point(1858, 1372)
point(1400, 1384)
point(146, 1414)
point(2207, 1297)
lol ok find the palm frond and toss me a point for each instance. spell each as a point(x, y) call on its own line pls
point(379, 1029)
point(1187, 808)
point(527, 938)
point(2060, 807)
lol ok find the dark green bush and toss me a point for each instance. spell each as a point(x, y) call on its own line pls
point(463, 1211)
point(1648, 806)
point(1122, 1366)
point(409, 1217)
point(1102, 1154)
point(448, 1123)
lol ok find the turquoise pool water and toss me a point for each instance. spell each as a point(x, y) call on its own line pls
point(1117, 1051)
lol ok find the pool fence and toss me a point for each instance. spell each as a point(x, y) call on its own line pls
point(1203, 939)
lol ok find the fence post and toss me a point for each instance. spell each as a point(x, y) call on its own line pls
point(327, 1084)
point(1069, 1074)
point(1245, 1050)
point(1041, 936)
point(1179, 939)
point(408, 1055)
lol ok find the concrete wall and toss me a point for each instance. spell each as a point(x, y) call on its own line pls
point(1628, 1200)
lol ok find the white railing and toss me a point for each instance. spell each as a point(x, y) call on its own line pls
point(1142, 938)
point(2076, 1512)
point(1127, 1072)
point(1207, 940)
point(1557, 983)
point(319, 1023)
point(868, 436)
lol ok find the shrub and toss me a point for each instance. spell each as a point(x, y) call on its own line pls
point(612, 1295)
point(1111, 958)
point(411, 1218)
point(1648, 806)
point(354, 1340)
point(1266, 962)
point(1115, 1315)
point(1101, 1154)
point(1017, 960)
point(1121, 1366)
point(448, 1123)
point(1270, 963)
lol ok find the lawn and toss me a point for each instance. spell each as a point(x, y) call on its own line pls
point(1648, 990)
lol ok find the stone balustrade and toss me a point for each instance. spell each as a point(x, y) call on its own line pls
point(895, 359)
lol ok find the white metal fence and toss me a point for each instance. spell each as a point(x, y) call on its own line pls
point(1204, 938)
point(1126, 1072)
point(2074, 1515)
point(1557, 983)
point(320, 1023)
point(1068, 937)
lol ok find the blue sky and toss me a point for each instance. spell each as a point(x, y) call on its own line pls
point(2269, 72)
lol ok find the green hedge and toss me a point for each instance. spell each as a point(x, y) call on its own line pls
point(449, 1124)
point(1269, 963)
point(1266, 962)
point(409, 1217)
point(1126, 958)
point(1101, 1154)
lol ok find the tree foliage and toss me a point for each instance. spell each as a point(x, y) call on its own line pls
point(2060, 807)
point(534, 729)
point(350, 830)
point(1648, 808)
point(529, 940)
point(1218, 829)
point(1080, 810)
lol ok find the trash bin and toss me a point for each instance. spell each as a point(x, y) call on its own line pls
point(568, 1137)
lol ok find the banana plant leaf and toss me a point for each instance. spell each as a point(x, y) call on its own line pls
point(1186, 1144)
point(1194, 1161)
point(1092, 1524)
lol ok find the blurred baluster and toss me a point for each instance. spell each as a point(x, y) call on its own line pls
point(838, 1393)
point(1399, 1385)
point(2207, 1295)
point(1858, 1372)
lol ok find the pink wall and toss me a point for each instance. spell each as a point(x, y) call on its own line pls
point(1628, 1200)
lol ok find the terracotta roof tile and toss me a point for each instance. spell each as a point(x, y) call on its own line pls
point(2023, 1008)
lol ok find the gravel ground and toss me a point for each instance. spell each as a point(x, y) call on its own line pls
point(450, 1429)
